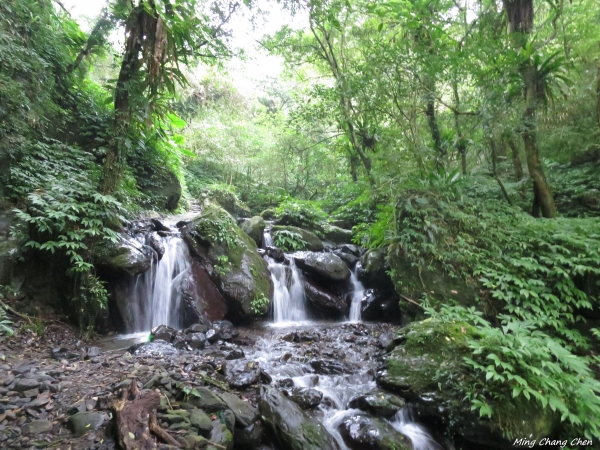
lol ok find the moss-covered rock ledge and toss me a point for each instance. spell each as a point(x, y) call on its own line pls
point(425, 366)
point(232, 261)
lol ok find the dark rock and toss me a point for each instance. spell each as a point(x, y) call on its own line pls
point(329, 367)
point(325, 304)
point(82, 422)
point(245, 277)
point(361, 432)
point(249, 436)
point(159, 226)
point(268, 214)
point(25, 384)
point(276, 253)
point(313, 242)
point(348, 258)
point(378, 403)
point(285, 383)
point(91, 352)
point(206, 400)
point(155, 244)
point(292, 426)
point(221, 436)
point(229, 419)
point(373, 269)
point(324, 265)
point(155, 348)
point(255, 228)
point(245, 414)
point(235, 353)
point(164, 333)
point(213, 336)
point(265, 378)
point(202, 326)
point(206, 299)
point(125, 257)
point(196, 340)
point(378, 306)
point(241, 373)
point(350, 249)
point(59, 353)
point(306, 398)
point(37, 427)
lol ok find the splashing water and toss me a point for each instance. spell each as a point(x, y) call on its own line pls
point(421, 440)
point(289, 302)
point(358, 291)
point(155, 296)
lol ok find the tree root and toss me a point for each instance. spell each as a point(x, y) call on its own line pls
point(135, 415)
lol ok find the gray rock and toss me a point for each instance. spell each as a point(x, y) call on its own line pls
point(249, 436)
point(200, 420)
point(361, 432)
point(26, 384)
point(324, 304)
point(337, 235)
point(155, 348)
point(206, 400)
point(245, 414)
point(306, 398)
point(324, 265)
point(255, 228)
point(81, 423)
point(37, 427)
point(220, 435)
point(292, 426)
point(378, 403)
point(125, 257)
point(241, 373)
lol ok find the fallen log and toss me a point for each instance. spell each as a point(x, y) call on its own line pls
point(135, 416)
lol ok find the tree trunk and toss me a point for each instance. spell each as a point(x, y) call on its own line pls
point(542, 197)
point(516, 159)
point(434, 128)
point(461, 145)
point(598, 97)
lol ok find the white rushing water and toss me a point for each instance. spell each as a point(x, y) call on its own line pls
point(289, 302)
point(155, 297)
point(421, 440)
point(358, 291)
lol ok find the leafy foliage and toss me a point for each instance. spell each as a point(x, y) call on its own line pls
point(260, 305)
point(299, 213)
point(289, 240)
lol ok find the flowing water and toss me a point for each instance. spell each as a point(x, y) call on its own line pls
point(155, 296)
point(289, 302)
point(358, 291)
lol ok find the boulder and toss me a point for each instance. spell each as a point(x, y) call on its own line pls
point(220, 436)
point(164, 190)
point(255, 228)
point(337, 235)
point(348, 258)
point(206, 299)
point(153, 241)
point(205, 399)
point(305, 397)
point(249, 436)
point(155, 348)
point(362, 432)
point(379, 404)
point(241, 373)
point(82, 422)
point(426, 367)
point(232, 261)
point(229, 202)
point(373, 270)
point(126, 257)
point(313, 242)
point(294, 429)
point(245, 413)
point(378, 306)
point(324, 304)
point(326, 266)
point(268, 214)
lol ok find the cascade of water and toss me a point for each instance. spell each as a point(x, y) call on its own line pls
point(421, 440)
point(289, 303)
point(358, 291)
point(267, 238)
point(155, 297)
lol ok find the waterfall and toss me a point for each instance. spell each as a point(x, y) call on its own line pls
point(357, 295)
point(404, 423)
point(289, 303)
point(155, 296)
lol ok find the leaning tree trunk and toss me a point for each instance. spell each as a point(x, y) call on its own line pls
point(542, 197)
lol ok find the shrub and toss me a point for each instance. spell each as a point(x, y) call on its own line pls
point(289, 240)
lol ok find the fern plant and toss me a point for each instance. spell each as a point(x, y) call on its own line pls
point(289, 240)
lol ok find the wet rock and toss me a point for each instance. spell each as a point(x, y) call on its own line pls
point(212, 336)
point(249, 436)
point(324, 304)
point(378, 403)
point(155, 348)
point(235, 353)
point(337, 235)
point(229, 419)
point(202, 326)
point(276, 253)
point(351, 249)
point(285, 383)
point(155, 244)
point(164, 333)
point(378, 306)
point(373, 269)
point(200, 420)
point(125, 257)
point(159, 226)
point(206, 400)
point(195, 340)
point(313, 242)
point(306, 398)
point(60, 353)
point(323, 265)
point(245, 414)
point(241, 373)
point(328, 367)
point(348, 258)
point(255, 228)
point(91, 352)
point(37, 427)
point(246, 277)
point(221, 436)
point(361, 432)
point(292, 426)
point(205, 298)
point(81, 423)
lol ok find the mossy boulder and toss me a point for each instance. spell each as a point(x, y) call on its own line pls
point(255, 227)
point(228, 201)
point(268, 214)
point(322, 266)
point(426, 368)
point(231, 259)
point(337, 235)
point(313, 243)
point(127, 256)
point(294, 429)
